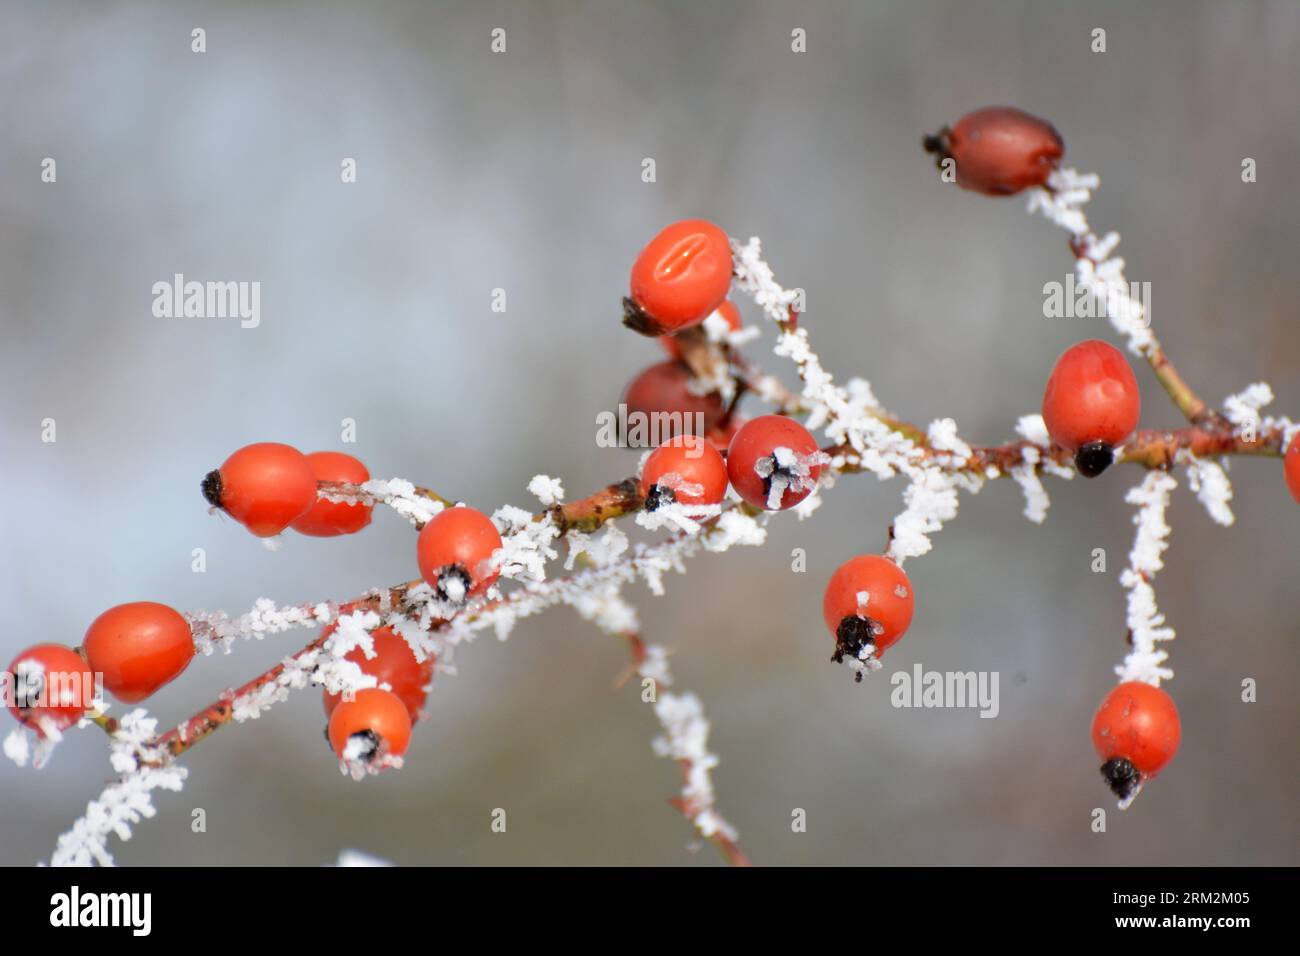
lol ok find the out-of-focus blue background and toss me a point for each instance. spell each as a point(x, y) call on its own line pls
point(522, 171)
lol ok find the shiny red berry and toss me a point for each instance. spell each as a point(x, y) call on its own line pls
point(773, 462)
point(868, 601)
point(668, 389)
point(328, 518)
point(679, 278)
point(1291, 467)
point(1091, 404)
point(138, 647)
point(49, 687)
point(729, 313)
point(686, 469)
point(394, 664)
point(999, 150)
point(372, 726)
point(455, 551)
point(1136, 732)
point(263, 486)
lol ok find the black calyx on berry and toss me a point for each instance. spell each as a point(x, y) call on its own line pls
point(639, 320)
point(454, 584)
point(937, 144)
point(211, 487)
point(659, 495)
point(363, 746)
point(1094, 458)
point(1121, 776)
point(852, 636)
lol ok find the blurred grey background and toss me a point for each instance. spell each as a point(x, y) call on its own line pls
point(522, 170)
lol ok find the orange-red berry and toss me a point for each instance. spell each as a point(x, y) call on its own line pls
point(49, 687)
point(263, 486)
point(773, 462)
point(394, 664)
point(868, 601)
point(373, 725)
point(1135, 732)
point(138, 647)
point(668, 389)
point(455, 551)
point(999, 150)
point(1091, 404)
point(729, 313)
point(679, 278)
point(1291, 467)
point(328, 518)
point(686, 469)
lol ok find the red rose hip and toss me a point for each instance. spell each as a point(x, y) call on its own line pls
point(998, 150)
point(455, 551)
point(263, 486)
point(1135, 732)
point(679, 278)
point(370, 728)
point(329, 518)
point(774, 462)
point(1091, 404)
point(686, 469)
point(138, 647)
point(51, 687)
point(669, 389)
point(394, 664)
point(1291, 467)
point(868, 602)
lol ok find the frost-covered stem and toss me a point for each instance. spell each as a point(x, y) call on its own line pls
point(722, 838)
point(1102, 273)
point(1157, 448)
point(1149, 448)
point(221, 711)
point(1188, 402)
point(588, 514)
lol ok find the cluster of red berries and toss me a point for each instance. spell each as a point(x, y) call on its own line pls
point(678, 280)
point(1091, 406)
point(1092, 402)
point(376, 723)
point(772, 462)
point(134, 648)
point(268, 487)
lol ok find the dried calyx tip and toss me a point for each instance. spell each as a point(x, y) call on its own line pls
point(853, 634)
point(211, 487)
point(363, 746)
point(638, 320)
point(453, 584)
point(937, 144)
point(659, 495)
point(1094, 458)
point(1121, 776)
